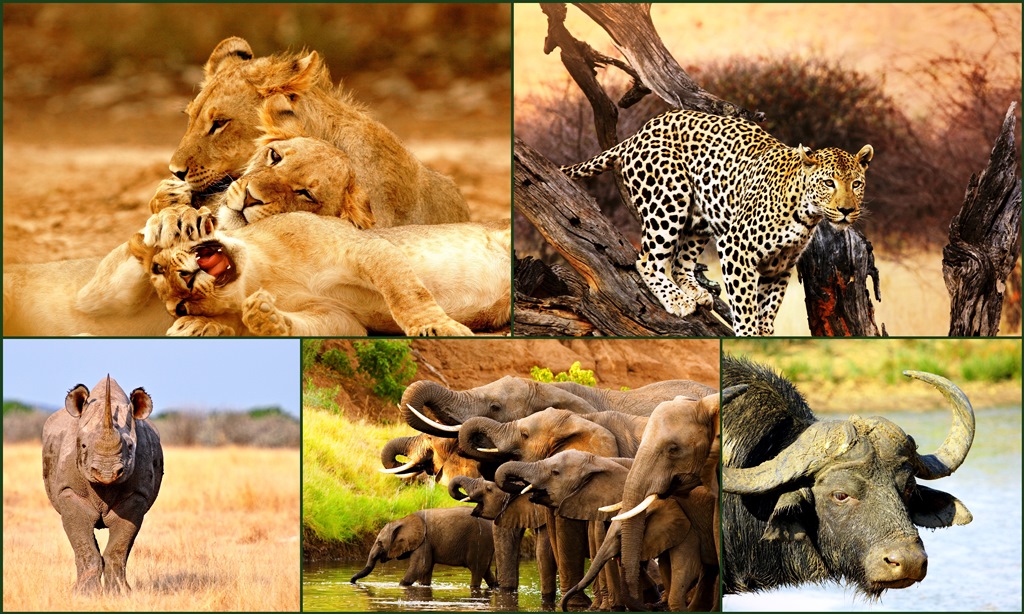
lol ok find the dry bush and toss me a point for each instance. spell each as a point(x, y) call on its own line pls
point(222, 536)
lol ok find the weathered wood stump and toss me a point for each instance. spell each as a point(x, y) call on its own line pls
point(834, 271)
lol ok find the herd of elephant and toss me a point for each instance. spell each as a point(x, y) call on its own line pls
point(598, 474)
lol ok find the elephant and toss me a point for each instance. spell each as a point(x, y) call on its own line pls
point(545, 433)
point(436, 456)
point(511, 398)
point(574, 484)
point(678, 457)
point(511, 515)
point(450, 536)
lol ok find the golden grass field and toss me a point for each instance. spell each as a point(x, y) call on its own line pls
point(223, 535)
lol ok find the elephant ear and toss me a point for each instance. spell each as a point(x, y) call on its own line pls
point(552, 395)
point(666, 527)
point(521, 513)
point(603, 488)
point(407, 536)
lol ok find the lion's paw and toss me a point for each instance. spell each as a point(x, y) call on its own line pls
point(170, 193)
point(443, 328)
point(199, 326)
point(178, 224)
point(262, 317)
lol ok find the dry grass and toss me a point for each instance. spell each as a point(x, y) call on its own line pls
point(222, 535)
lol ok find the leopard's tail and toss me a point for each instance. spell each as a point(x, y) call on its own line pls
point(594, 166)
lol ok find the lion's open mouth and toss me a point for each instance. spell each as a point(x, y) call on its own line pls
point(213, 259)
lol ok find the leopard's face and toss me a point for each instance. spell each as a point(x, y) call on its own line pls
point(192, 279)
point(835, 183)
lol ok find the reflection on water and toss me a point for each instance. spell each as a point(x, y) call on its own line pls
point(973, 567)
point(326, 587)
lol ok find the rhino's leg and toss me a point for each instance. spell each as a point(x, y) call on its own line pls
point(79, 518)
point(124, 522)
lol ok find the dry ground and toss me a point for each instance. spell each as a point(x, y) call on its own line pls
point(223, 535)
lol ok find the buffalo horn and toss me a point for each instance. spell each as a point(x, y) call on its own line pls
point(954, 449)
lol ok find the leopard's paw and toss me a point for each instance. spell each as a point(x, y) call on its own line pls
point(178, 224)
point(170, 193)
point(262, 317)
point(199, 326)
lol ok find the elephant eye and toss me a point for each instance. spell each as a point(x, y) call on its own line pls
point(554, 472)
point(495, 407)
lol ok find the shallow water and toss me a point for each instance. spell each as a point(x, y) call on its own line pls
point(972, 567)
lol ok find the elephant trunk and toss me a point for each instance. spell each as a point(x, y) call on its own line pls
point(398, 446)
point(460, 488)
point(425, 397)
point(634, 492)
point(483, 439)
point(513, 476)
point(371, 562)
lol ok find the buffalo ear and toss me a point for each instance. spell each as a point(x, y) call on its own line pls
point(786, 521)
point(142, 404)
point(76, 398)
point(935, 509)
point(407, 536)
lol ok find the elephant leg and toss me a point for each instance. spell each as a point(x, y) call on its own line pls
point(124, 522)
point(602, 600)
point(570, 555)
point(545, 566)
point(79, 519)
point(506, 556)
point(665, 570)
point(705, 594)
point(686, 572)
point(421, 567)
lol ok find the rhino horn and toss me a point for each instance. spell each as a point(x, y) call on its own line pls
point(108, 418)
point(813, 449)
point(954, 449)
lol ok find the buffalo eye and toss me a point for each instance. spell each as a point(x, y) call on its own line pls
point(273, 157)
point(216, 125)
point(840, 496)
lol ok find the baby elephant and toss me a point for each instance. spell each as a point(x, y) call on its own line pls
point(450, 536)
point(102, 467)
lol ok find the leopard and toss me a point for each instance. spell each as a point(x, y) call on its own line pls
point(693, 176)
point(301, 274)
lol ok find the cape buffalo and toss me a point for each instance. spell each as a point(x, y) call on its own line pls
point(102, 467)
point(808, 500)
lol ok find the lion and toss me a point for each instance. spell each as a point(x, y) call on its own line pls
point(300, 274)
point(224, 126)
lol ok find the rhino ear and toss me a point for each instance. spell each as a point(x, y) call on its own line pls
point(935, 509)
point(76, 398)
point(786, 521)
point(142, 404)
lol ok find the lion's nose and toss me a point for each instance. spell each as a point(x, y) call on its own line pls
point(180, 173)
point(250, 200)
point(181, 309)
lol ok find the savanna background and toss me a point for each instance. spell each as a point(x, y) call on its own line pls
point(927, 85)
point(223, 534)
point(349, 411)
point(844, 377)
point(94, 96)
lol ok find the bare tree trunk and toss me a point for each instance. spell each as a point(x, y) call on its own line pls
point(612, 297)
point(834, 271)
point(985, 241)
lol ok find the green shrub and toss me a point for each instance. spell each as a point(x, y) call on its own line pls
point(310, 352)
point(338, 361)
point(575, 374)
point(11, 407)
point(387, 366)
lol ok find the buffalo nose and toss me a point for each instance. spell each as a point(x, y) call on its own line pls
point(904, 565)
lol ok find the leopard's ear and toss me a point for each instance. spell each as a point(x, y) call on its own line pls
point(233, 49)
point(806, 159)
point(278, 120)
point(137, 247)
point(865, 155)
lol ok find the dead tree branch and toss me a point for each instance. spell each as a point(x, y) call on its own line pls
point(985, 241)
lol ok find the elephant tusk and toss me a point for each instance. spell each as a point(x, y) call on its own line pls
point(614, 507)
point(636, 510)
point(407, 475)
point(466, 500)
point(437, 425)
point(488, 450)
point(399, 469)
point(528, 488)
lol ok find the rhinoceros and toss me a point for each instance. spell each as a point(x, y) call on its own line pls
point(102, 468)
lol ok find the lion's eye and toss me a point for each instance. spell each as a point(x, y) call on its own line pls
point(217, 124)
point(829, 183)
point(305, 194)
point(273, 157)
point(157, 269)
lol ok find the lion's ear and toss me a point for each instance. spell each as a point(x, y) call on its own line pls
point(137, 247)
point(234, 48)
point(278, 120)
point(295, 77)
